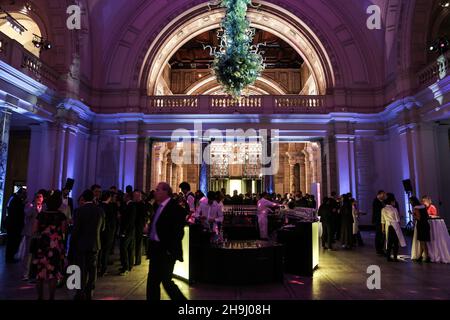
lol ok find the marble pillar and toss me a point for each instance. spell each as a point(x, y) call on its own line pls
point(345, 158)
point(5, 123)
point(127, 166)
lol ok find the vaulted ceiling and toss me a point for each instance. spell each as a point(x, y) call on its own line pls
point(116, 37)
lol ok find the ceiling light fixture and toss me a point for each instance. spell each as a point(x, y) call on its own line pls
point(41, 43)
point(13, 23)
point(441, 45)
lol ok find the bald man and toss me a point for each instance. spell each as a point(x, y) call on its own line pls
point(166, 233)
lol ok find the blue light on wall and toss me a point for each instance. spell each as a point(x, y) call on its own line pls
point(204, 178)
point(269, 184)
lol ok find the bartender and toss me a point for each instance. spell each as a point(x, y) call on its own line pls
point(210, 213)
point(431, 208)
point(265, 206)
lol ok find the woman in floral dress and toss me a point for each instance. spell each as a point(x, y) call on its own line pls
point(49, 259)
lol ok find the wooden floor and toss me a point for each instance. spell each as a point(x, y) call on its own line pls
point(342, 275)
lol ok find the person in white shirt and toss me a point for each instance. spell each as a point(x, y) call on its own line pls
point(210, 213)
point(264, 207)
point(390, 224)
point(189, 197)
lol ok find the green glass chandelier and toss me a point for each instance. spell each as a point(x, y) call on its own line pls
point(237, 62)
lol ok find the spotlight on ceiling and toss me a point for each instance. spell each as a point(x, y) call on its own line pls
point(41, 43)
point(445, 4)
point(440, 45)
point(13, 23)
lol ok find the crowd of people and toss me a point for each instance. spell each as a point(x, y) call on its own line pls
point(387, 221)
point(340, 221)
point(47, 234)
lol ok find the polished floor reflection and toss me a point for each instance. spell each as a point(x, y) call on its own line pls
point(342, 275)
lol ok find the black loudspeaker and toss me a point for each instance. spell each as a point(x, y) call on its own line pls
point(69, 184)
point(407, 185)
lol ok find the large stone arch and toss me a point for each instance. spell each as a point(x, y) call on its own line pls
point(127, 52)
point(268, 17)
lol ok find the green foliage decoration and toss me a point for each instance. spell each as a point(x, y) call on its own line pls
point(237, 62)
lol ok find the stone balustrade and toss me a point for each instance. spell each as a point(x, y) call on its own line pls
point(245, 105)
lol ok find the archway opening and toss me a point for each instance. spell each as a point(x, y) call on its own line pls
point(271, 19)
point(189, 69)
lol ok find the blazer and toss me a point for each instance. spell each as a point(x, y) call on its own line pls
point(128, 220)
point(170, 228)
point(377, 206)
point(88, 225)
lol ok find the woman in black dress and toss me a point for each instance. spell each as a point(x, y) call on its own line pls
point(423, 228)
point(346, 223)
point(49, 260)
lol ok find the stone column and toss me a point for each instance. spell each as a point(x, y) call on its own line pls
point(70, 152)
point(36, 178)
point(294, 177)
point(345, 157)
point(127, 166)
point(330, 165)
point(163, 177)
point(141, 163)
point(5, 123)
point(302, 173)
point(169, 170)
point(292, 183)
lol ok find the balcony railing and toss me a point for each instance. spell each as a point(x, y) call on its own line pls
point(430, 74)
point(18, 57)
point(245, 105)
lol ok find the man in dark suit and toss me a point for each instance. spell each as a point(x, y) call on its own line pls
point(377, 206)
point(325, 213)
point(14, 223)
point(142, 216)
point(108, 233)
point(89, 223)
point(127, 237)
point(166, 233)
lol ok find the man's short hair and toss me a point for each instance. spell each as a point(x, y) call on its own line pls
point(88, 195)
point(185, 186)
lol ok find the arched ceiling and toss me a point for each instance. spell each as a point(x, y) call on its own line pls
point(116, 34)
